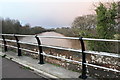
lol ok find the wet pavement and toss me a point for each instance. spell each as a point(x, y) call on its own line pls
point(11, 69)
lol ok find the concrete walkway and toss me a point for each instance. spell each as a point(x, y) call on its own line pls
point(49, 70)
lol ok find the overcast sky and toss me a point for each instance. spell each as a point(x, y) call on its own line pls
point(47, 13)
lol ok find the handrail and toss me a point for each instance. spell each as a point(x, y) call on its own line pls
point(68, 60)
point(103, 54)
point(109, 69)
point(41, 53)
point(10, 40)
point(106, 40)
point(16, 35)
point(70, 49)
point(57, 37)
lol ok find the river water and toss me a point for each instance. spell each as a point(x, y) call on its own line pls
point(75, 44)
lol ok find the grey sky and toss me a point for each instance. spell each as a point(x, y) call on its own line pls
point(45, 13)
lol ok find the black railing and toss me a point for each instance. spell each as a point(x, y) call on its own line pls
point(40, 50)
point(41, 53)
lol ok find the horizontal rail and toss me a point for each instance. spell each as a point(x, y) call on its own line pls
point(25, 35)
point(76, 38)
point(21, 42)
point(7, 34)
point(69, 49)
point(45, 46)
point(10, 40)
point(54, 47)
point(20, 48)
point(29, 50)
point(57, 37)
point(27, 43)
point(103, 54)
point(12, 46)
point(69, 60)
point(9, 46)
point(109, 69)
point(17, 35)
point(106, 40)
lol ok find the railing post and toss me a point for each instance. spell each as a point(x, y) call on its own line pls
point(18, 45)
point(5, 47)
point(84, 70)
point(41, 61)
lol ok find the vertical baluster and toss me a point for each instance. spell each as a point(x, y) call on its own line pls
point(83, 75)
point(41, 61)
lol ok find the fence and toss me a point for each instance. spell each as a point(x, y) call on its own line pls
point(42, 54)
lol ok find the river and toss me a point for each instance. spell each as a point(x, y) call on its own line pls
point(75, 44)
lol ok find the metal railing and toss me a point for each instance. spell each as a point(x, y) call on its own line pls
point(41, 53)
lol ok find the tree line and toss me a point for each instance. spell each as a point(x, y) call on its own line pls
point(12, 26)
point(104, 25)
